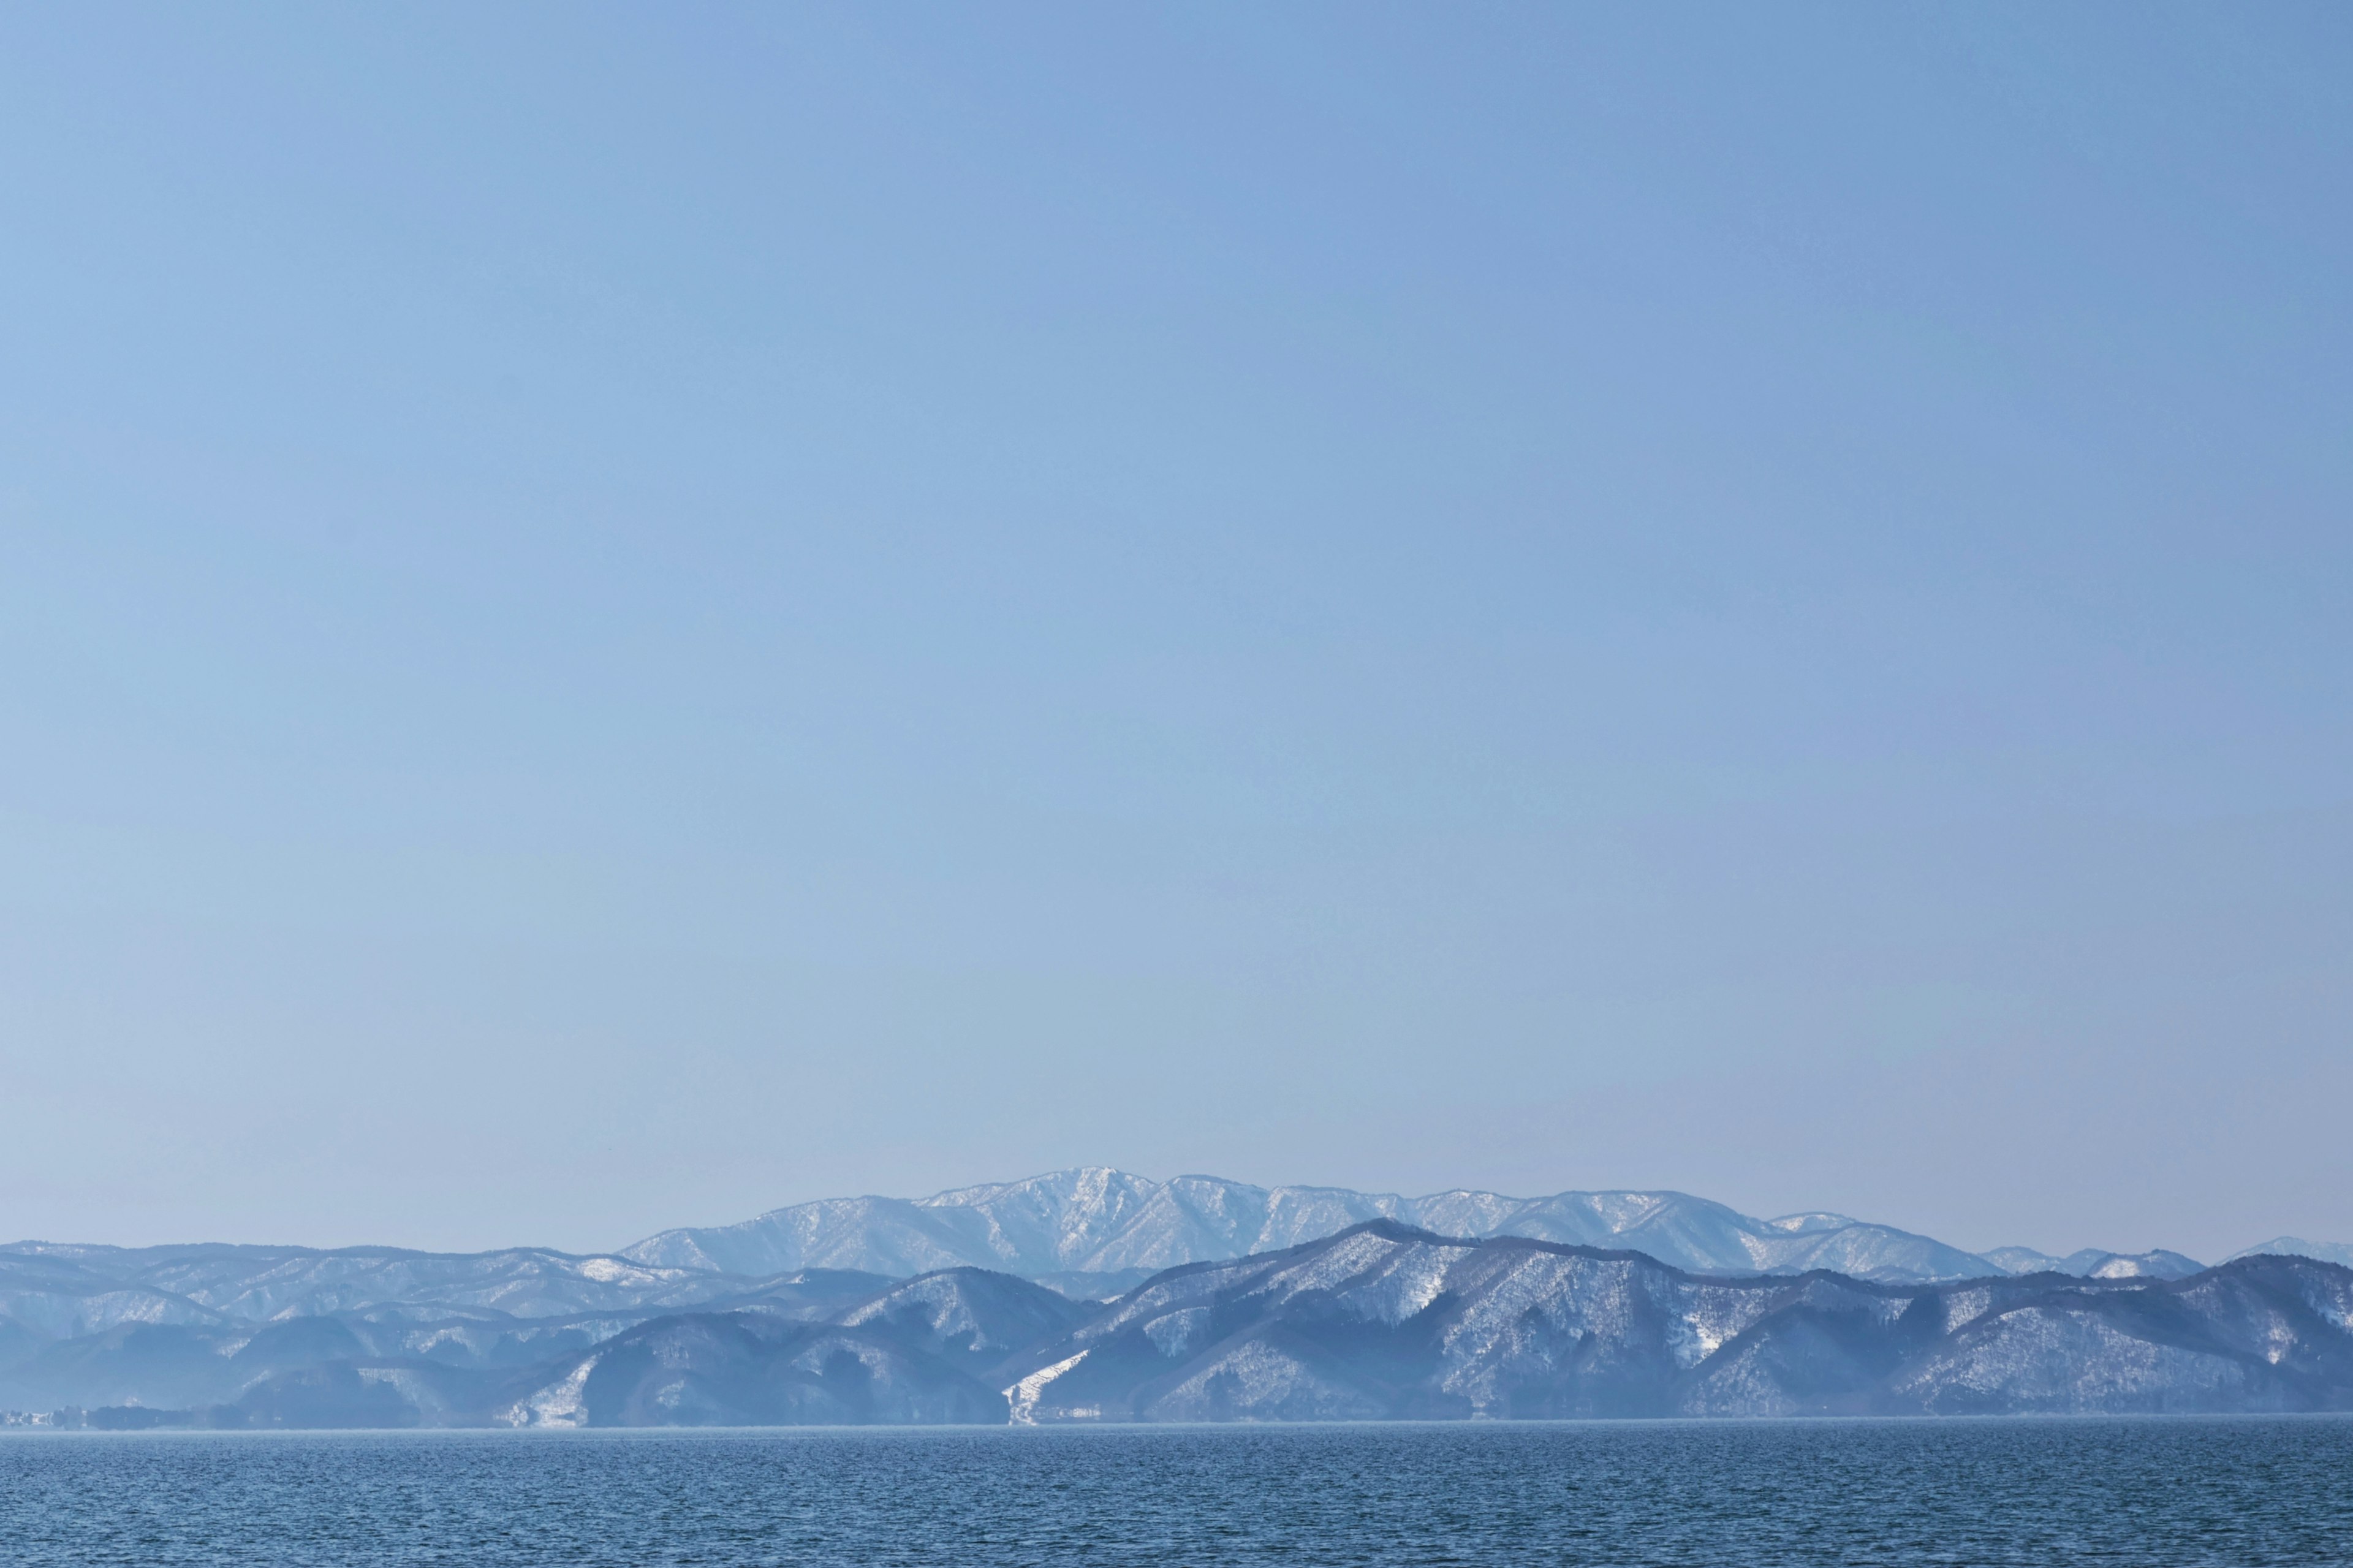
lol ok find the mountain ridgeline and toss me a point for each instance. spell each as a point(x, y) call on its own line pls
point(1100, 1231)
point(1101, 1297)
point(1382, 1321)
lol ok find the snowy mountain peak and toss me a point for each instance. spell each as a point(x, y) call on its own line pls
point(1808, 1223)
point(2093, 1263)
point(1095, 1227)
point(2296, 1246)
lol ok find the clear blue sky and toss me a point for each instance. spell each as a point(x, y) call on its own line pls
point(615, 616)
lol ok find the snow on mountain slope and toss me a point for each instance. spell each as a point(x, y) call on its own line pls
point(1380, 1321)
point(970, 1318)
point(256, 1284)
point(1387, 1322)
point(1098, 1221)
point(60, 1349)
point(744, 1369)
point(2092, 1263)
point(2296, 1246)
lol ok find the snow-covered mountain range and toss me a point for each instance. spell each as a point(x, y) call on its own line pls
point(1096, 1230)
point(1384, 1322)
point(289, 1335)
point(1381, 1322)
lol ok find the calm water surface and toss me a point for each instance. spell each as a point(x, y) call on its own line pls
point(2159, 1492)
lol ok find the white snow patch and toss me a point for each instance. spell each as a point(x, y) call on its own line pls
point(1173, 1333)
point(1024, 1395)
point(561, 1404)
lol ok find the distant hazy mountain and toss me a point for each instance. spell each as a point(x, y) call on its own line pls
point(2296, 1246)
point(53, 1291)
point(209, 1283)
point(1108, 1230)
point(2092, 1263)
point(184, 1326)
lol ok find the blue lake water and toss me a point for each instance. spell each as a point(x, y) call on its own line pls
point(2151, 1493)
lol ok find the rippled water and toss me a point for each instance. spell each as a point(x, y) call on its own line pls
point(2184, 1491)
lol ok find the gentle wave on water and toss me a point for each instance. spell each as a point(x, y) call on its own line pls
point(2241, 1491)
